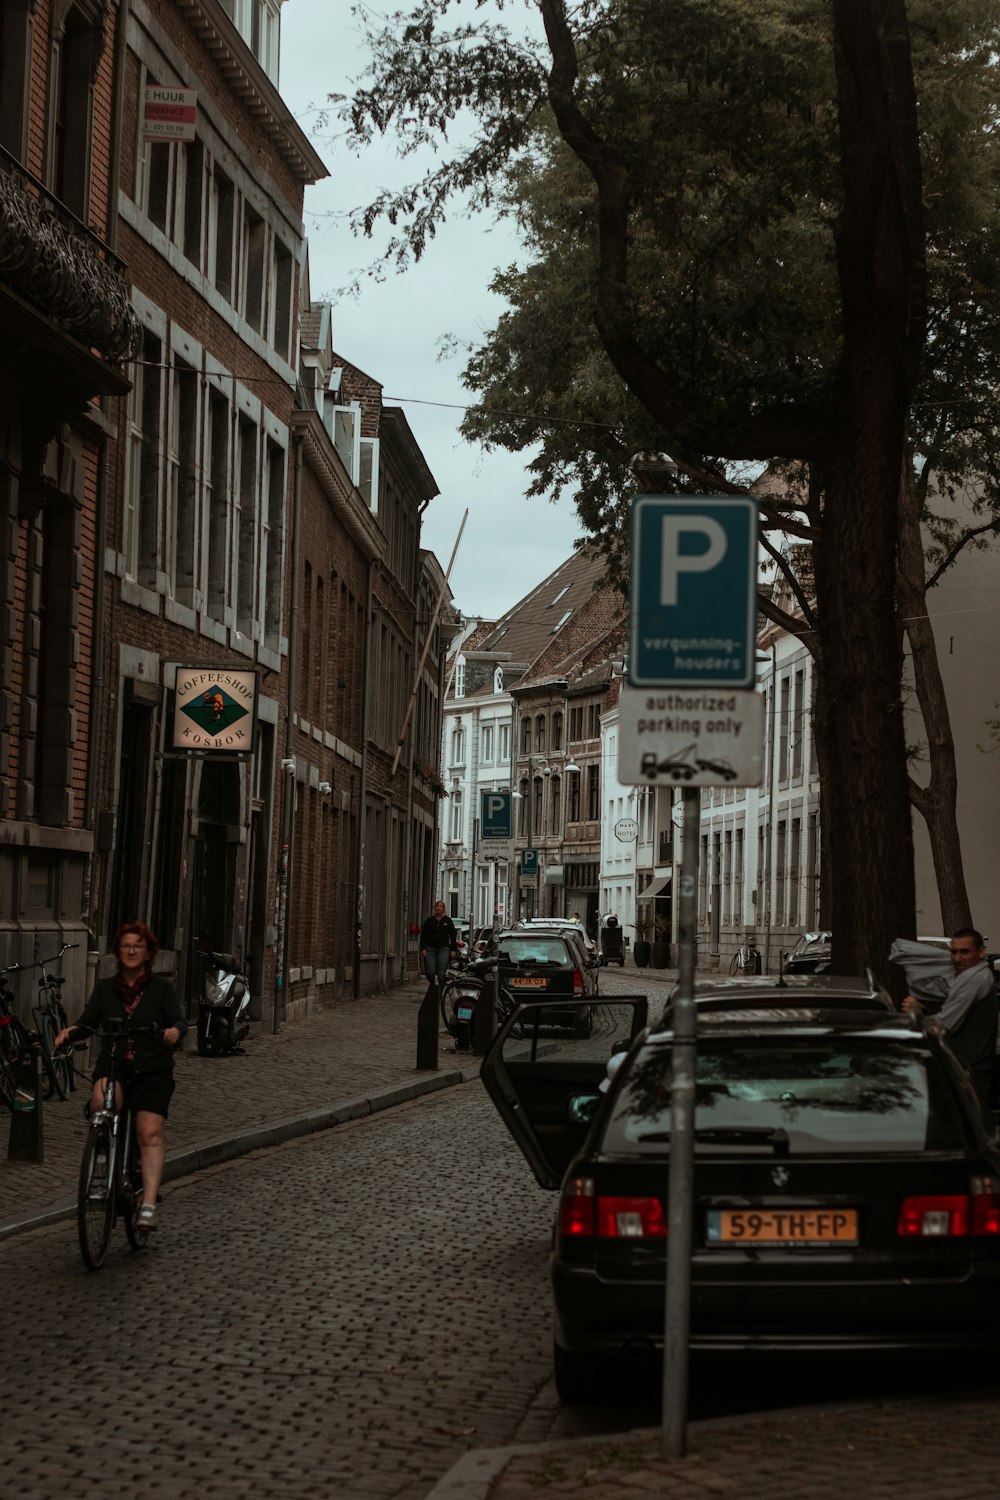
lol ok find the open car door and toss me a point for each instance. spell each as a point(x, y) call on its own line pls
point(545, 1084)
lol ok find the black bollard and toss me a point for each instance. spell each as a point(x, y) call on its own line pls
point(428, 1025)
point(485, 1014)
point(25, 1142)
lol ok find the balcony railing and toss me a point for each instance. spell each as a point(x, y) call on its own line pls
point(60, 266)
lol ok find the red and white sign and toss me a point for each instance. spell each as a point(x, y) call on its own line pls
point(168, 114)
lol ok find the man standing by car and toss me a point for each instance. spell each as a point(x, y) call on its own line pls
point(438, 943)
point(970, 1009)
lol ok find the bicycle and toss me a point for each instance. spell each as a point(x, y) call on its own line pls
point(110, 1183)
point(50, 1018)
point(746, 959)
point(16, 1041)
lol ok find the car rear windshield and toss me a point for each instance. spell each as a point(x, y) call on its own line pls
point(534, 950)
point(838, 1094)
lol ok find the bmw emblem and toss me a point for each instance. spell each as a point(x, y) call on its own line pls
point(780, 1177)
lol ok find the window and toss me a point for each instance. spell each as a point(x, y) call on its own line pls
point(458, 746)
point(223, 236)
point(779, 873)
point(525, 736)
point(273, 542)
point(537, 813)
point(783, 726)
point(455, 825)
point(498, 680)
point(593, 721)
point(142, 499)
point(245, 522)
point(540, 734)
point(522, 809)
point(593, 792)
point(503, 743)
point(460, 678)
point(794, 856)
point(561, 621)
point(74, 64)
point(486, 749)
point(15, 37)
point(557, 729)
point(217, 504)
point(575, 725)
point(562, 591)
point(368, 472)
point(158, 160)
point(556, 807)
point(254, 243)
point(344, 426)
point(182, 481)
point(798, 724)
point(284, 280)
point(573, 807)
point(192, 163)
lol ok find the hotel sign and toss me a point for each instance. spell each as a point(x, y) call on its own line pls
point(215, 709)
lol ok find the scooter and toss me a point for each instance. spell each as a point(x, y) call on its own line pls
point(224, 1011)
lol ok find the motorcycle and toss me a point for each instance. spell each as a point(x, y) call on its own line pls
point(224, 1010)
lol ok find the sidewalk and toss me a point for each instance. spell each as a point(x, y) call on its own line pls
point(917, 1449)
point(350, 1059)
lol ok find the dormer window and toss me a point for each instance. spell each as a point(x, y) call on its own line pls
point(498, 680)
point(460, 678)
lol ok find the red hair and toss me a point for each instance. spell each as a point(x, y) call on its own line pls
point(147, 935)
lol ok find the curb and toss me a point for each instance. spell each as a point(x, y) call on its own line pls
point(223, 1148)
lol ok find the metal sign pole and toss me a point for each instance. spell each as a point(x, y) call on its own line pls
point(680, 1205)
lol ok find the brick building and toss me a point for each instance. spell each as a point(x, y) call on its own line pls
point(66, 328)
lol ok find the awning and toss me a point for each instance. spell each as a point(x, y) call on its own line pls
point(554, 875)
point(658, 887)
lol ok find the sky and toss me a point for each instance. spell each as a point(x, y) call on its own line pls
point(392, 332)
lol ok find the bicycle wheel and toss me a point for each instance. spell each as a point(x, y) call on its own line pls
point(95, 1205)
point(132, 1193)
point(736, 963)
point(51, 1065)
point(447, 1013)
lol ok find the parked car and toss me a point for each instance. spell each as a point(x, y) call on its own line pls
point(820, 991)
point(811, 954)
point(846, 1198)
point(549, 964)
point(575, 935)
point(563, 924)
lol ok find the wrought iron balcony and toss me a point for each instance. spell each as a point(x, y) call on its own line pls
point(61, 268)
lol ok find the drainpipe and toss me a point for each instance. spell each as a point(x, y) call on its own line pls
point(288, 773)
point(363, 788)
point(117, 95)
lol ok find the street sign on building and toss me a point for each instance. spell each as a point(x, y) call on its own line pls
point(675, 737)
point(627, 830)
point(692, 591)
point(496, 826)
point(529, 861)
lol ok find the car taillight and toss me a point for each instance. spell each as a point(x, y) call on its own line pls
point(576, 1208)
point(577, 984)
point(950, 1214)
point(630, 1219)
point(985, 1205)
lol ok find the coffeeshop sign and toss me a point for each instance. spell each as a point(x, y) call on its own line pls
point(215, 709)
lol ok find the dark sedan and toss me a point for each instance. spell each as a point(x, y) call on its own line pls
point(770, 991)
point(537, 964)
point(846, 1191)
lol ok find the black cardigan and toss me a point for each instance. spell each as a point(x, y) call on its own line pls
point(158, 1004)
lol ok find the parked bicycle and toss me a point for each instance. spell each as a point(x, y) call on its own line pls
point(746, 959)
point(110, 1184)
point(50, 1018)
point(17, 1040)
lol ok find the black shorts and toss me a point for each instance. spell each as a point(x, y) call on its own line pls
point(149, 1091)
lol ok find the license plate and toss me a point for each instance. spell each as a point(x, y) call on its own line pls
point(782, 1226)
point(464, 1012)
point(529, 984)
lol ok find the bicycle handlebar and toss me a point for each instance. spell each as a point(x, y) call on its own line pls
point(114, 1029)
point(39, 962)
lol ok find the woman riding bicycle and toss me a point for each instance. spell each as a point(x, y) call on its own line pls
point(137, 995)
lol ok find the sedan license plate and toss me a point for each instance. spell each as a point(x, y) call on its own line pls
point(528, 984)
point(782, 1226)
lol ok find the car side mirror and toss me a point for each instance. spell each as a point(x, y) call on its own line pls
point(583, 1107)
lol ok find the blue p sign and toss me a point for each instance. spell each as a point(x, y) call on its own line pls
point(495, 815)
point(692, 591)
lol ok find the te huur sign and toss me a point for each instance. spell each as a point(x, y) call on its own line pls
point(169, 114)
point(215, 709)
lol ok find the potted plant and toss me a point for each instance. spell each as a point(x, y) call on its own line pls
point(660, 952)
point(641, 950)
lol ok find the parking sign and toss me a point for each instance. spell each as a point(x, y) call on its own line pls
point(496, 826)
point(693, 591)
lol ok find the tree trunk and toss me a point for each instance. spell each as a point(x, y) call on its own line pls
point(936, 801)
point(882, 273)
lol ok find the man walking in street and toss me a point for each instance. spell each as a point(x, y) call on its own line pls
point(970, 1009)
point(438, 943)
